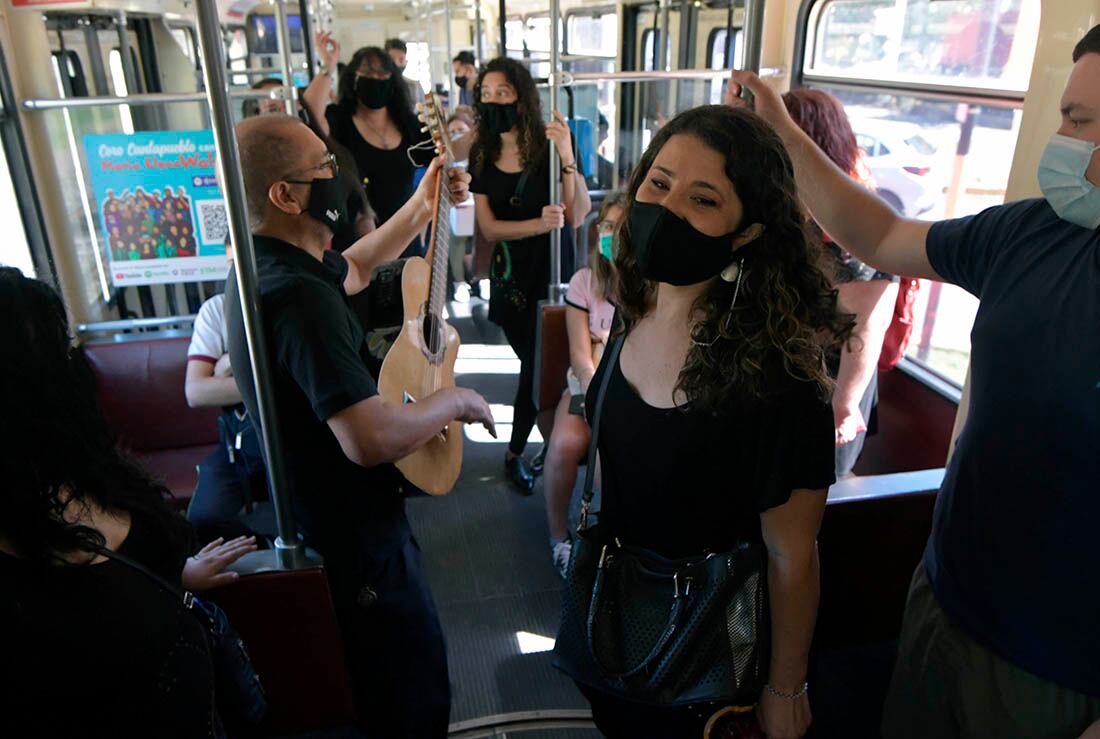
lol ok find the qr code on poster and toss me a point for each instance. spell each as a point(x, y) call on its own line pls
point(213, 225)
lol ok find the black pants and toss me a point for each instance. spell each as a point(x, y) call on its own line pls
point(394, 645)
point(226, 483)
point(520, 332)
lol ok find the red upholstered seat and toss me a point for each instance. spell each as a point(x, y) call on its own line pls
point(287, 621)
point(551, 363)
point(140, 384)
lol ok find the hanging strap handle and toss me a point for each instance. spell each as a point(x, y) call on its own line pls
point(609, 359)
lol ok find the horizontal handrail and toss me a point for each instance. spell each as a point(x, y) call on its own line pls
point(129, 324)
point(931, 90)
point(520, 721)
point(569, 78)
point(158, 98)
point(890, 485)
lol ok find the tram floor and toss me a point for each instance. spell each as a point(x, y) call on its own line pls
point(487, 557)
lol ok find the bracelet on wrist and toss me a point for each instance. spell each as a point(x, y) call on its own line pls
point(788, 696)
point(569, 169)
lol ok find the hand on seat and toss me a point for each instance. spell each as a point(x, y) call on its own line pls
point(205, 570)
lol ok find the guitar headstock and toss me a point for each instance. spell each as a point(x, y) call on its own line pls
point(431, 115)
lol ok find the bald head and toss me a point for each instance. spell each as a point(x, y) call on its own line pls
point(272, 147)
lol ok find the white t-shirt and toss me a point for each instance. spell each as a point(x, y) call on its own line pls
point(210, 340)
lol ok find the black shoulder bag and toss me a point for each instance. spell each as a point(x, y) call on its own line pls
point(646, 628)
point(237, 689)
point(507, 291)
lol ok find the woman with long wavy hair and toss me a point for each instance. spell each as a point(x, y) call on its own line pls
point(509, 163)
point(373, 119)
point(92, 646)
point(716, 426)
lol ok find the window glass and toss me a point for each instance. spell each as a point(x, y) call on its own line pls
point(237, 53)
point(647, 49)
point(717, 59)
point(513, 30)
point(594, 35)
point(985, 43)
point(182, 37)
point(118, 82)
point(14, 251)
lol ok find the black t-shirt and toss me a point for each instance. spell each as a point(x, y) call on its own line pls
point(319, 360)
point(684, 482)
point(388, 172)
point(525, 263)
point(101, 649)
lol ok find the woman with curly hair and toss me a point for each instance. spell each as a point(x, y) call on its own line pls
point(510, 166)
point(92, 646)
point(716, 427)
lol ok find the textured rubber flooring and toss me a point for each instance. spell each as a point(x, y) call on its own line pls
point(488, 559)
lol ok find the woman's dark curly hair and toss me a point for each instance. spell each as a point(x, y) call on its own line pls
point(530, 130)
point(57, 447)
point(786, 316)
point(400, 106)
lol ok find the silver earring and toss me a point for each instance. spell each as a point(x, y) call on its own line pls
point(736, 272)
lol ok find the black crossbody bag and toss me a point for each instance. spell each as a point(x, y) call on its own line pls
point(238, 692)
point(667, 632)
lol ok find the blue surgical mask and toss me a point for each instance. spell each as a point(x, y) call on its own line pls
point(1062, 179)
point(608, 247)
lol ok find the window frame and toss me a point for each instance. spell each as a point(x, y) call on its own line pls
point(809, 15)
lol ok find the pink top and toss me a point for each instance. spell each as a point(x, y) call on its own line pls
point(582, 294)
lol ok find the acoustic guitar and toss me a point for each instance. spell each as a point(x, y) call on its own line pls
point(422, 359)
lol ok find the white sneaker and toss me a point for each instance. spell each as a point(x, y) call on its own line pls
point(560, 555)
point(462, 293)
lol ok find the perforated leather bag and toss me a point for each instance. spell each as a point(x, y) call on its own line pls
point(661, 631)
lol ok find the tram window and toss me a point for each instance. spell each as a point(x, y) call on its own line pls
point(537, 34)
point(237, 53)
point(647, 49)
point(514, 33)
point(118, 82)
point(948, 41)
point(14, 250)
point(72, 82)
point(266, 38)
point(418, 60)
point(716, 58)
point(593, 35)
point(185, 37)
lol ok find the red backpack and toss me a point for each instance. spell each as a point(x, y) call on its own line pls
point(901, 327)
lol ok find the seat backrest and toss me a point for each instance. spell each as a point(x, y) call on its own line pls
point(140, 385)
point(288, 623)
point(551, 356)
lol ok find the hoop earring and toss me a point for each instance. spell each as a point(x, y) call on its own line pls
point(737, 275)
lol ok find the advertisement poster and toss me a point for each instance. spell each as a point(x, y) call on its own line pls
point(160, 213)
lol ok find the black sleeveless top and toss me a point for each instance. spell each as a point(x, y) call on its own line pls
point(102, 650)
point(684, 482)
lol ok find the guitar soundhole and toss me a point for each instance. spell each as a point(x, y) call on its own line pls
point(433, 328)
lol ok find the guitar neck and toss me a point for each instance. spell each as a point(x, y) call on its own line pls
point(439, 246)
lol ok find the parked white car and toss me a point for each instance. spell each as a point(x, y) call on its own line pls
point(900, 160)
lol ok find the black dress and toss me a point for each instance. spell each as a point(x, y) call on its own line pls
point(387, 173)
point(684, 482)
point(101, 650)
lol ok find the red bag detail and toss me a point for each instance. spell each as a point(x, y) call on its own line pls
point(901, 326)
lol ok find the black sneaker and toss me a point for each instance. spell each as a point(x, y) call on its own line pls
point(519, 472)
point(539, 461)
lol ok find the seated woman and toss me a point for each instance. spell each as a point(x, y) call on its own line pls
point(588, 322)
point(864, 291)
point(92, 646)
point(716, 429)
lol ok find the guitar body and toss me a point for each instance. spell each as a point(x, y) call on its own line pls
point(411, 372)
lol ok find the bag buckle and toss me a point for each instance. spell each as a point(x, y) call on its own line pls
point(584, 516)
point(676, 585)
point(603, 557)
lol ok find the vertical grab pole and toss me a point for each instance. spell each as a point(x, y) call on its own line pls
point(282, 35)
point(502, 20)
point(555, 162)
point(754, 35)
point(479, 44)
point(451, 97)
point(307, 38)
point(289, 552)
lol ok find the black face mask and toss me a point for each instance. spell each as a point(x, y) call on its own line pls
point(501, 117)
point(373, 93)
point(328, 202)
point(461, 82)
point(669, 249)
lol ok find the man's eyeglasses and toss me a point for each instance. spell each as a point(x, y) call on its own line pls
point(329, 163)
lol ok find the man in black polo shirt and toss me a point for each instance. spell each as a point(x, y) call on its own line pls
point(340, 436)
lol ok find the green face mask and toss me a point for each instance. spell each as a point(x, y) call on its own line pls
point(608, 246)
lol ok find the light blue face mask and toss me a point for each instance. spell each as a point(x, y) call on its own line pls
point(1062, 179)
point(608, 246)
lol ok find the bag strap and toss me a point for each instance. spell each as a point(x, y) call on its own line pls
point(610, 357)
point(521, 187)
point(186, 597)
